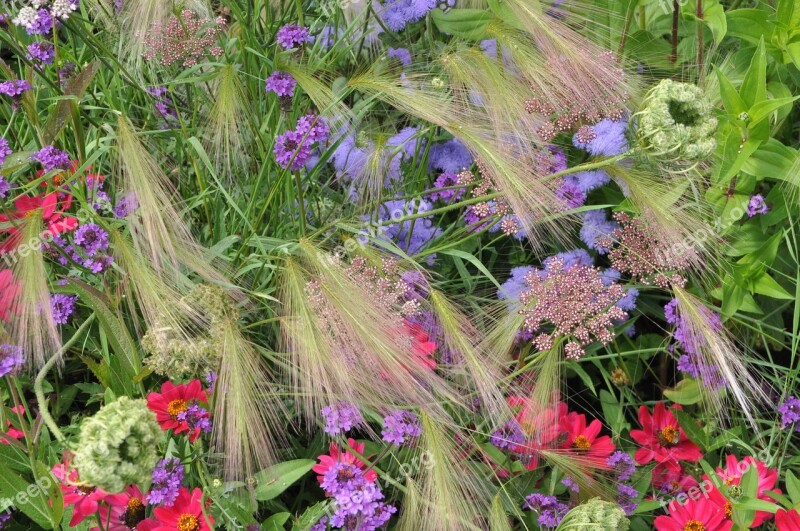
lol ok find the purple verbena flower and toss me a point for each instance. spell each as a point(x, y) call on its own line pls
point(91, 238)
point(550, 510)
point(11, 359)
point(446, 180)
point(509, 436)
point(43, 52)
point(314, 128)
point(62, 307)
point(756, 206)
point(622, 464)
point(196, 417)
point(627, 498)
point(341, 417)
point(167, 480)
point(291, 151)
point(571, 194)
point(790, 412)
point(51, 158)
point(281, 83)
point(5, 151)
point(400, 427)
point(126, 205)
point(291, 36)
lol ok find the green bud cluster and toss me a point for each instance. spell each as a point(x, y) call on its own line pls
point(675, 123)
point(117, 445)
point(171, 353)
point(596, 514)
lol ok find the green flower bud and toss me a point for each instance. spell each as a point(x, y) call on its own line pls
point(596, 514)
point(117, 446)
point(675, 124)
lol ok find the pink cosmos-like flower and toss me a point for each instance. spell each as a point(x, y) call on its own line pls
point(9, 290)
point(693, 515)
point(13, 432)
point(174, 400)
point(186, 514)
point(343, 456)
point(662, 438)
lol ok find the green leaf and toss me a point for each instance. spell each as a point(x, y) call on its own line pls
point(736, 154)
point(754, 85)
point(763, 109)
point(730, 96)
point(766, 285)
point(692, 430)
point(732, 297)
point(751, 25)
point(792, 486)
point(686, 393)
point(28, 497)
point(276, 522)
point(274, 480)
point(772, 159)
point(468, 24)
point(714, 18)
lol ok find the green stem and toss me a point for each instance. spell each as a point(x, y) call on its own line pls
point(39, 382)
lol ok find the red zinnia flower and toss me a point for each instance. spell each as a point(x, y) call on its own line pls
point(48, 207)
point(540, 426)
point(124, 511)
point(9, 289)
point(186, 514)
point(173, 400)
point(670, 478)
point(787, 520)
point(421, 346)
point(583, 440)
point(662, 438)
point(694, 515)
point(85, 500)
point(732, 475)
point(336, 456)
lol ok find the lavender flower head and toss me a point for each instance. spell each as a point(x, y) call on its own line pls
point(196, 417)
point(14, 90)
point(42, 52)
point(622, 464)
point(400, 427)
point(291, 36)
point(357, 501)
point(550, 510)
point(281, 83)
point(51, 159)
point(341, 417)
point(62, 306)
point(627, 498)
point(756, 206)
point(790, 412)
point(291, 151)
point(11, 359)
point(91, 238)
point(451, 156)
point(167, 480)
point(5, 150)
point(396, 14)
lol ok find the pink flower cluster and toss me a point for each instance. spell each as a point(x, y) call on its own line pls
point(183, 40)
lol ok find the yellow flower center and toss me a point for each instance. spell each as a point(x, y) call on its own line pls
point(134, 513)
point(581, 442)
point(728, 510)
point(175, 407)
point(669, 436)
point(528, 427)
point(189, 522)
point(694, 525)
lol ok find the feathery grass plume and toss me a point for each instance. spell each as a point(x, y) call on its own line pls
point(140, 16)
point(225, 135)
point(715, 348)
point(318, 87)
point(449, 495)
point(498, 519)
point(32, 325)
point(346, 340)
point(247, 414)
point(474, 369)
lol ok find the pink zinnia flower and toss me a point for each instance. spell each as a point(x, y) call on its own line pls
point(787, 520)
point(694, 515)
point(9, 289)
point(85, 500)
point(583, 440)
point(732, 475)
point(338, 456)
point(422, 347)
point(186, 514)
point(13, 432)
point(48, 207)
point(174, 400)
point(662, 438)
point(124, 511)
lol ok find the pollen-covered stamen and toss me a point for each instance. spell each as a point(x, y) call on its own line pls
point(581, 443)
point(669, 436)
point(694, 525)
point(176, 407)
point(188, 522)
point(134, 513)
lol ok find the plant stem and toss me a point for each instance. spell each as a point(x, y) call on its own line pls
point(676, 10)
point(38, 383)
point(700, 45)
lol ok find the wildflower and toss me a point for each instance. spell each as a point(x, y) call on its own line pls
point(400, 427)
point(396, 14)
point(196, 418)
point(51, 210)
point(9, 290)
point(341, 417)
point(549, 509)
point(117, 445)
point(606, 138)
point(626, 498)
point(509, 436)
point(622, 464)
point(313, 128)
point(42, 52)
point(787, 520)
point(52, 159)
point(164, 106)
point(412, 235)
point(356, 499)
point(511, 289)
point(585, 181)
point(571, 195)
point(183, 40)
point(291, 150)
point(126, 205)
point(693, 515)
point(5, 187)
point(5, 151)
point(281, 83)
point(583, 440)
point(14, 88)
point(596, 514)
point(63, 8)
point(401, 54)
point(35, 21)
point(675, 123)
point(756, 206)
point(91, 238)
point(84, 499)
point(174, 400)
point(619, 377)
point(11, 431)
point(669, 479)
point(124, 511)
point(291, 36)
point(570, 302)
point(335, 455)
point(167, 480)
point(662, 439)
point(790, 412)
point(450, 156)
point(62, 306)
point(185, 514)
point(731, 476)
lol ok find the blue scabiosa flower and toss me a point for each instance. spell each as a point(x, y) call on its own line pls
point(167, 481)
point(400, 427)
point(341, 417)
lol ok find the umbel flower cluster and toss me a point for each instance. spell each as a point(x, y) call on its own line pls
point(117, 445)
point(676, 124)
